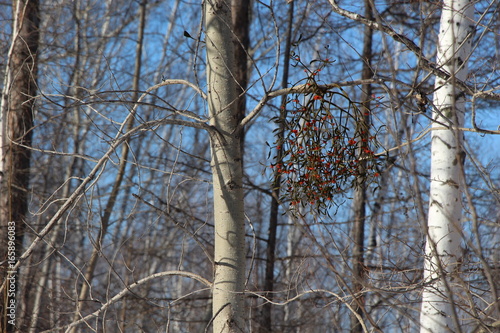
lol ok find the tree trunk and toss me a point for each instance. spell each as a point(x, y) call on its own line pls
point(359, 201)
point(442, 250)
point(229, 256)
point(241, 27)
point(15, 138)
point(266, 321)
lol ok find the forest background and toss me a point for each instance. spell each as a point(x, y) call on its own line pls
point(133, 131)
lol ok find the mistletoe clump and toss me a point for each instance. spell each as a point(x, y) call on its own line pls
point(325, 148)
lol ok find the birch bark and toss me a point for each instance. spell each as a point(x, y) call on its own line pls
point(442, 250)
point(229, 252)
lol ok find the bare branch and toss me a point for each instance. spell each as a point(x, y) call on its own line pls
point(424, 62)
point(128, 290)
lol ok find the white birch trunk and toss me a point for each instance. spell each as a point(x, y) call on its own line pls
point(229, 252)
point(442, 250)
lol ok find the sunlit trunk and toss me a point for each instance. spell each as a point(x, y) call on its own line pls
point(229, 252)
point(442, 250)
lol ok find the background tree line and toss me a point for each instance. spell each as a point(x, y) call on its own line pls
point(133, 131)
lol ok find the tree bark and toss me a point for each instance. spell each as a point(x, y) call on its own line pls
point(241, 28)
point(266, 321)
point(15, 139)
point(442, 250)
point(359, 200)
point(226, 164)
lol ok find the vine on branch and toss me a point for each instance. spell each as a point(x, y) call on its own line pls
point(325, 149)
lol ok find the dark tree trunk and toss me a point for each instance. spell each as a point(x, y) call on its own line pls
point(266, 322)
point(240, 13)
point(359, 202)
point(17, 123)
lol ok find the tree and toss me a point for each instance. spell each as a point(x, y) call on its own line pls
point(240, 16)
point(266, 320)
point(359, 200)
point(16, 122)
point(443, 253)
point(229, 231)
